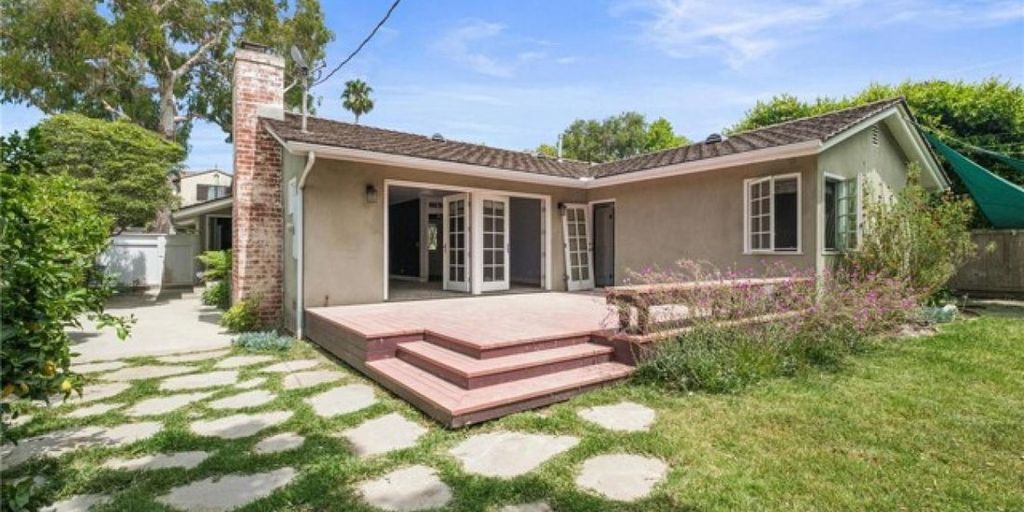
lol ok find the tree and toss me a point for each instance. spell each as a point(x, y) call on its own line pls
point(616, 137)
point(123, 165)
point(989, 113)
point(159, 63)
point(50, 235)
point(356, 98)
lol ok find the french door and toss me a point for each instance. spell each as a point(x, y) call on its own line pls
point(576, 232)
point(456, 236)
point(493, 242)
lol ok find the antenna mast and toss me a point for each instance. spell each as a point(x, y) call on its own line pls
point(303, 68)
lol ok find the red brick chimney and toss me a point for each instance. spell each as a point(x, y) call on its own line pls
point(257, 240)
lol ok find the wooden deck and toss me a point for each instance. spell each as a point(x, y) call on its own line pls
point(468, 360)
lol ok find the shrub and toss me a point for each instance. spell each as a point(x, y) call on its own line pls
point(216, 265)
point(263, 341)
point(217, 293)
point(50, 235)
point(736, 335)
point(242, 317)
point(918, 237)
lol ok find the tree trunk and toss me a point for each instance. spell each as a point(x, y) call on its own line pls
point(168, 111)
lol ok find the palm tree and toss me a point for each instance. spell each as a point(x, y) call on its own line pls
point(357, 98)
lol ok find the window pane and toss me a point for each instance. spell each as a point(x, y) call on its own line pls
point(786, 213)
point(831, 243)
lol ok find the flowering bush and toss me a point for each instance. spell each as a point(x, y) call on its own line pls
point(734, 329)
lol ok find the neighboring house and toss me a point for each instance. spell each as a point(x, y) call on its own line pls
point(348, 214)
point(205, 208)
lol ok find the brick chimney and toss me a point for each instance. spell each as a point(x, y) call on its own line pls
point(257, 239)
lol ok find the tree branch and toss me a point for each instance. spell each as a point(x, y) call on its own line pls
point(200, 54)
point(110, 108)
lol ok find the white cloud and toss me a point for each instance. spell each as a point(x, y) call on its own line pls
point(486, 48)
point(743, 31)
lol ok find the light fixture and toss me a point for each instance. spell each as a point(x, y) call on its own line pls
point(371, 193)
point(561, 209)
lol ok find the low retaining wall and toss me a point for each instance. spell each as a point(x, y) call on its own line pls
point(998, 269)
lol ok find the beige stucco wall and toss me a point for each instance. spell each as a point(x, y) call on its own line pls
point(189, 184)
point(700, 217)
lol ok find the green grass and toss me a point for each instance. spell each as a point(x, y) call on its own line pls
point(931, 423)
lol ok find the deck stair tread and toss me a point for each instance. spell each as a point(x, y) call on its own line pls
point(469, 366)
point(459, 401)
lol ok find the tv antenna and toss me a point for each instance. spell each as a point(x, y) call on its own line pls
point(303, 70)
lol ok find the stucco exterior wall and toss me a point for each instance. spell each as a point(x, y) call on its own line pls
point(344, 235)
point(189, 185)
point(700, 217)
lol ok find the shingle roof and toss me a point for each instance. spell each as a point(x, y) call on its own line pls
point(335, 133)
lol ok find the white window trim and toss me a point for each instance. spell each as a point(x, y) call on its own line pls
point(799, 215)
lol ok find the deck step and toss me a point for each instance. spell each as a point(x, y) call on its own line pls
point(456, 406)
point(488, 350)
point(471, 373)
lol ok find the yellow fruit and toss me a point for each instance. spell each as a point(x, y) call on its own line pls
point(49, 369)
point(8, 389)
point(23, 389)
point(66, 385)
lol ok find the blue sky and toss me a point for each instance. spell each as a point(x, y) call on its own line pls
point(514, 74)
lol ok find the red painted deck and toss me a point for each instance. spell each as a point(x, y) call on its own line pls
point(467, 360)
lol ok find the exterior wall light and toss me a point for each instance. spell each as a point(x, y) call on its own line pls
point(371, 194)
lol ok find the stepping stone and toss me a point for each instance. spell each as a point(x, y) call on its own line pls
point(242, 400)
point(539, 506)
point(200, 381)
point(291, 366)
point(166, 404)
point(146, 372)
point(279, 443)
point(78, 503)
point(227, 492)
point(98, 367)
point(302, 380)
point(239, 425)
point(621, 477)
point(22, 419)
point(624, 416)
point(384, 434)
point(53, 444)
point(342, 400)
point(240, 361)
point(509, 454)
point(408, 489)
point(93, 410)
point(90, 393)
point(254, 382)
point(186, 460)
point(191, 358)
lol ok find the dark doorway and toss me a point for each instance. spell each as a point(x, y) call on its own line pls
point(604, 244)
point(404, 244)
point(525, 254)
point(219, 238)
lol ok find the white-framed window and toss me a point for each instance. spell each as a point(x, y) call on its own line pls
point(772, 214)
point(841, 211)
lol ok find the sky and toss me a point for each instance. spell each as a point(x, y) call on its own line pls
point(514, 74)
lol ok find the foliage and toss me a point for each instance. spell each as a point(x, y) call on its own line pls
point(738, 332)
point(217, 293)
point(356, 98)
point(159, 64)
point(989, 113)
point(50, 235)
point(21, 496)
point(915, 237)
point(242, 316)
point(262, 341)
point(616, 137)
point(217, 265)
point(126, 166)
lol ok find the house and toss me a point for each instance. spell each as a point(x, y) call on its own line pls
point(205, 208)
point(331, 214)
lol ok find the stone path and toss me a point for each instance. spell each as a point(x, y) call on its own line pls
point(166, 404)
point(228, 492)
point(239, 425)
point(93, 410)
point(98, 367)
point(342, 400)
point(53, 444)
point(509, 454)
point(92, 393)
point(254, 382)
point(301, 380)
point(621, 477)
point(253, 398)
point(146, 372)
point(407, 489)
point(539, 506)
point(191, 358)
point(384, 434)
point(623, 416)
point(240, 361)
point(77, 503)
point(186, 460)
point(291, 366)
point(200, 381)
point(279, 443)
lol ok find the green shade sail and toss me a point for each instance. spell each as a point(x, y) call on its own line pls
point(1001, 201)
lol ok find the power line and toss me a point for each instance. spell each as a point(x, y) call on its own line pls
point(361, 45)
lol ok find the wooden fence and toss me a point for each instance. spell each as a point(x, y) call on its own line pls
point(998, 269)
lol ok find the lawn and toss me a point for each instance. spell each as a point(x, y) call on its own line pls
point(932, 423)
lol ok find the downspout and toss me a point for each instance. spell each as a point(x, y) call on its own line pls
point(300, 234)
